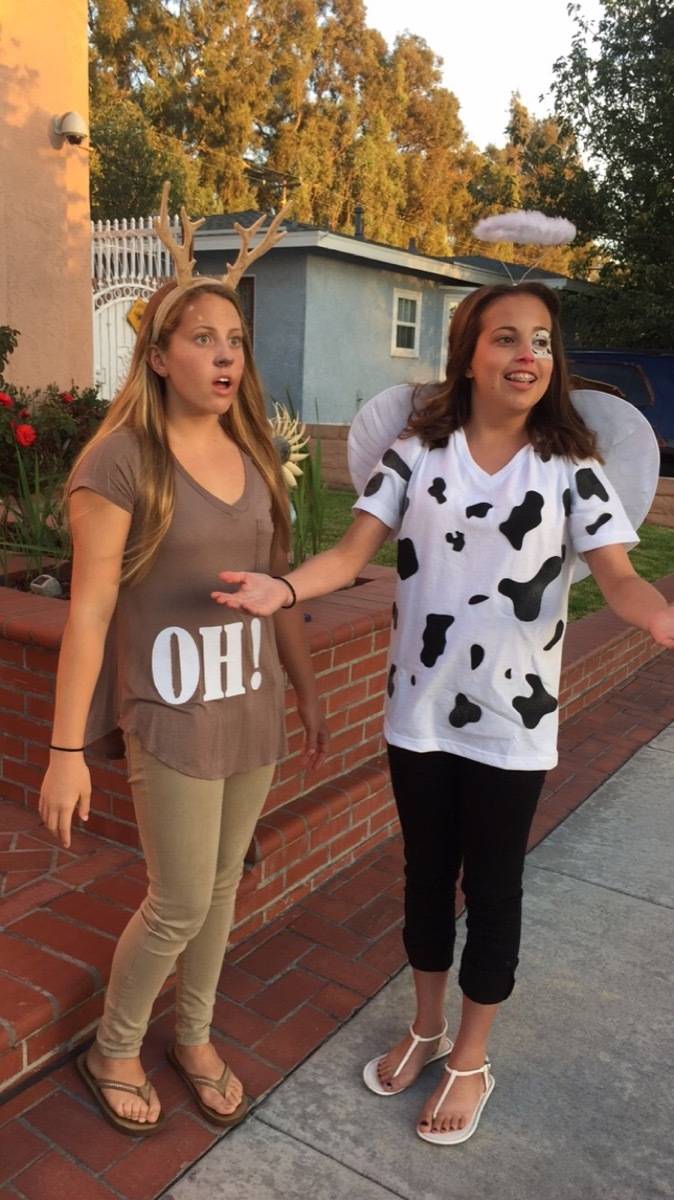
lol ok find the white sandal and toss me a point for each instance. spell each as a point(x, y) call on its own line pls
point(451, 1137)
point(371, 1078)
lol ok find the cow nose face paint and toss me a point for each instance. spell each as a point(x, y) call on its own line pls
point(541, 344)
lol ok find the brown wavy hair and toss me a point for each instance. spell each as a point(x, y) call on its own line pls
point(139, 405)
point(553, 425)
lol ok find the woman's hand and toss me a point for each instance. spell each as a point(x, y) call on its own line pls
point(257, 594)
point(65, 787)
point(661, 626)
point(317, 734)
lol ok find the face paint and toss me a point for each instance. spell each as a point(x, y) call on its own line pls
point(541, 344)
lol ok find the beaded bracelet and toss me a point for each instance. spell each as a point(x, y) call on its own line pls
point(289, 585)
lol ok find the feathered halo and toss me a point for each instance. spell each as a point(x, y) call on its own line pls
point(525, 228)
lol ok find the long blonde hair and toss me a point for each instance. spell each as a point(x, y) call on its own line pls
point(139, 405)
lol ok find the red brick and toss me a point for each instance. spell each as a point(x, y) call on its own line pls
point(275, 955)
point(101, 862)
point(324, 933)
point(337, 1001)
point(387, 954)
point(55, 1176)
point(330, 907)
point(24, 1009)
point(20, 1105)
point(335, 967)
point(122, 890)
point(236, 984)
point(12, 747)
point(70, 1028)
point(66, 981)
point(376, 918)
point(38, 660)
point(18, 1148)
point(90, 949)
point(10, 652)
point(364, 886)
point(295, 1038)
point(285, 995)
point(238, 1022)
point(350, 651)
point(79, 1131)
point(154, 1163)
point(88, 911)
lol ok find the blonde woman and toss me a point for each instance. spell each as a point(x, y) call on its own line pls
point(181, 475)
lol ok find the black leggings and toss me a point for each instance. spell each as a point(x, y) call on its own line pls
point(451, 810)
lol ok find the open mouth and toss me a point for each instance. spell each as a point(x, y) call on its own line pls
point(223, 383)
point(521, 377)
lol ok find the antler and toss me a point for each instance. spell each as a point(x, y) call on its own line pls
point(181, 255)
point(245, 256)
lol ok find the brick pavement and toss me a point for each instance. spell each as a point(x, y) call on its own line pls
point(282, 992)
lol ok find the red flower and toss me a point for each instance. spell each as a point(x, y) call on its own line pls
point(66, 397)
point(6, 400)
point(24, 413)
point(25, 435)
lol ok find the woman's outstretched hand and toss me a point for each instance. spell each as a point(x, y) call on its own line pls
point(257, 594)
point(661, 626)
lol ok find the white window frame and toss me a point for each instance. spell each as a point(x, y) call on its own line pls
point(451, 300)
point(405, 351)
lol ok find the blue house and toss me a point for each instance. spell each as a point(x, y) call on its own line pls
point(336, 317)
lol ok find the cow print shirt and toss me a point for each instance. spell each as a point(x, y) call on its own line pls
point(484, 570)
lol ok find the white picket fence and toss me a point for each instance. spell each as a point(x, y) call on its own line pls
point(128, 261)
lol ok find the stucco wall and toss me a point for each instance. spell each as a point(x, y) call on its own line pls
point(45, 285)
point(280, 298)
point(348, 336)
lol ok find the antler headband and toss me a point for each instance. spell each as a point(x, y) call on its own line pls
point(184, 262)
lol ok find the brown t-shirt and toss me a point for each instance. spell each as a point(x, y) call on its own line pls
point(201, 686)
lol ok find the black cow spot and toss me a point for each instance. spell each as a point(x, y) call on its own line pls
point(390, 682)
point(373, 485)
point(478, 510)
point(395, 463)
point(438, 489)
point(478, 599)
point(404, 506)
point(589, 485)
point(476, 656)
point(408, 563)
point(527, 596)
point(523, 518)
point(533, 708)
point(394, 615)
point(413, 680)
point(566, 501)
point(509, 673)
point(559, 630)
point(435, 637)
point(456, 540)
point(596, 525)
point(464, 713)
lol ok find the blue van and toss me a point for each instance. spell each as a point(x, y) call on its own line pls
point(644, 377)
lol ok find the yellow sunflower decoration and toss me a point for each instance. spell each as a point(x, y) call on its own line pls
point(291, 439)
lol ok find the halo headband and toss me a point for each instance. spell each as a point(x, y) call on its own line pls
point(525, 228)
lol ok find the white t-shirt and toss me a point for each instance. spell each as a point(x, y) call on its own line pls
point(484, 570)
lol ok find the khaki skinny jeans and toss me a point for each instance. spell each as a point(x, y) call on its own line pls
point(194, 834)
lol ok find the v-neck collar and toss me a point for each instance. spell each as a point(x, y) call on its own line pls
point(463, 450)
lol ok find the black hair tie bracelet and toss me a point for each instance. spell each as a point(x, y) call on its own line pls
point(291, 589)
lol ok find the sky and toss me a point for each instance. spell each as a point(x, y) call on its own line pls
point(490, 48)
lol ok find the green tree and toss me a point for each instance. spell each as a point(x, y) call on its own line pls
point(615, 87)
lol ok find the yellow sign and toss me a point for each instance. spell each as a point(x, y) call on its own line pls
point(135, 313)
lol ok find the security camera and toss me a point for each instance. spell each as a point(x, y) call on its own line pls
point(71, 127)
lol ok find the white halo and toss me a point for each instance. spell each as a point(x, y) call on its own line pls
point(526, 226)
point(625, 439)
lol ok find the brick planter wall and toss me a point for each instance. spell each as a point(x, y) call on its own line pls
point(313, 824)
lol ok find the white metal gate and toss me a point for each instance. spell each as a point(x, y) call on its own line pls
point(128, 262)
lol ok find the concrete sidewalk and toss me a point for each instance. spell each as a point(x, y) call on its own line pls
point(582, 1054)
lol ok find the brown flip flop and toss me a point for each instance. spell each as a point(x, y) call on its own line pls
point(123, 1124)
point(225, 1120)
